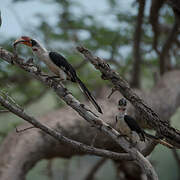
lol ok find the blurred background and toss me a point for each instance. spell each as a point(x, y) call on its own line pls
point(139, 39)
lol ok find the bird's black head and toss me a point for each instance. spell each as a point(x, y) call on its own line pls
point(122, 102)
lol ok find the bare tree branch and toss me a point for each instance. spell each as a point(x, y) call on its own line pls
point(73, 144)
point(4, 111)
point(83, 111)
point(150, 117)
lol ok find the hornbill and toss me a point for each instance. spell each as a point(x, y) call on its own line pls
point(126, 124)
point(58, 65)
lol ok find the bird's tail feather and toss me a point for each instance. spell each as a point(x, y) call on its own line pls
point(88, 94)
point(158, 140)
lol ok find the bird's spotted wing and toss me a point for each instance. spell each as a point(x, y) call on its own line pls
point(62, 63)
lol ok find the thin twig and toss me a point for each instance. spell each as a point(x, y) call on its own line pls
point(113, 90)
point(4, 111)
point(25, 129)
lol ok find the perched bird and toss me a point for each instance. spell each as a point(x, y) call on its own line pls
point(58, 65)
point(127, 124)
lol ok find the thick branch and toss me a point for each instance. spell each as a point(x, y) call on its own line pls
point(87, 115)
point(149, 116)
point(39, 145)
point(76, 146)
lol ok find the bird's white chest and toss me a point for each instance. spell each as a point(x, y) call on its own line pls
point(55, 69)
point(122, 125)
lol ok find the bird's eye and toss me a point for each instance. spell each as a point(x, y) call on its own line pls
point(33, 42)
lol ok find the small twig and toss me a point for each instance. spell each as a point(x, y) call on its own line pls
point(58, 87)
point(57, 135)
point(149, 115)
point(113, 90)
point(5, 94)
point(22, 130)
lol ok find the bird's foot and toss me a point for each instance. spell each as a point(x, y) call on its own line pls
point(52, 77)
point(49, 77)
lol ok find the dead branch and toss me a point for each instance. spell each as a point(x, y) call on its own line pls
point(73, 144)
point(149, 116)
point(8, 174)
point(64, 94)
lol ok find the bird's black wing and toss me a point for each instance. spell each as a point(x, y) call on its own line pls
point(62, 63)
point(133, 125)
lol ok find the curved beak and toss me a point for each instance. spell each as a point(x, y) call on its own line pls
point(22, 40)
